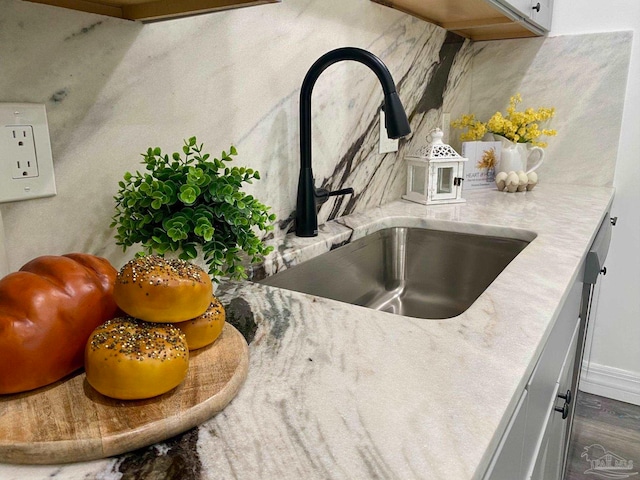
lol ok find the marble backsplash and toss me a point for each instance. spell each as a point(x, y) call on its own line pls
point(583, 76)
point(113, 88)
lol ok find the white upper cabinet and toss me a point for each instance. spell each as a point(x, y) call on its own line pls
point(541, 13)
point(482, 19)
point(522, 8)
point(536, 13)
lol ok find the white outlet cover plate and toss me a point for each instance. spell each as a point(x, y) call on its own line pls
point(43, 183)
point(386, 144)
point(446, 128)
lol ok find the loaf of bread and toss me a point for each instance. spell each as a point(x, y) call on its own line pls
point(205, 329)
point(48, 309)
point(129, 359)
point(161, 290)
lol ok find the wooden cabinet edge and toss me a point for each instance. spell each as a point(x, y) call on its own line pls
point(497, 27)
point(483, 22)
point(165, 9)
point(154, 10)
point(481, 34)
point(84, 6)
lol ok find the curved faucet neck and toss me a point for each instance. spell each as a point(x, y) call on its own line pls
point(348, 53)
point(320, 65)
point(395, 121)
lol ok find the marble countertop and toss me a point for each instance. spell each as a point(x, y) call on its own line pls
point(340, 391)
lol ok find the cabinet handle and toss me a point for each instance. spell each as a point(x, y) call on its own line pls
point(564, 410)
point(537, 7)
point(614, 220)
point(603, 271)
point(566, 397)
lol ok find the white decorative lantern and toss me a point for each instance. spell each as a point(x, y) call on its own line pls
point(435, 173)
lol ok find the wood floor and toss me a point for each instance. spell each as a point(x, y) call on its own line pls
point(604, 428)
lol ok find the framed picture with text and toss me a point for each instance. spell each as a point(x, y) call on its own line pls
point(479, 171)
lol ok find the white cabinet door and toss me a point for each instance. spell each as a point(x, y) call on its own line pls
point(537, 469)
point(533, 446)
point(545, 376)
point(507, 461)
point(550, 453)
point(534, 14)
point(554, 465)
point(541, 13)
point(521, 7)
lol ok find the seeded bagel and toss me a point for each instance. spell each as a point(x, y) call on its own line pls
point(205, 329)
point(156, 289)
point(128, 359)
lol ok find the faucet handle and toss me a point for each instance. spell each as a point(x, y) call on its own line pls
point(322, 194)
point(343, 191)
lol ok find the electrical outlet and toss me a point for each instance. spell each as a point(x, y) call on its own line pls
point(22, 149)
point(446, 127)
point(26, 163)
point(386, 144)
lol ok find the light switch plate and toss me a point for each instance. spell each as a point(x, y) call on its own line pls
point(386, 144)
point(26, 162)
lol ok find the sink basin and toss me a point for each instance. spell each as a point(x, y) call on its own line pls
point(415, 272)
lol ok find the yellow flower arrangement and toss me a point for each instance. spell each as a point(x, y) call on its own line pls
point(517, 126)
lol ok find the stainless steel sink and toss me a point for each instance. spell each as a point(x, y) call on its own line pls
point(415, 272)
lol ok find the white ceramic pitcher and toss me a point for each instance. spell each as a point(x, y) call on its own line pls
point(515, 156)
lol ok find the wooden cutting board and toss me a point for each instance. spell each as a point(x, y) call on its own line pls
point(69, 421)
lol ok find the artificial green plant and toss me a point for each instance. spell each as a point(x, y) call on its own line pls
point(189, 203)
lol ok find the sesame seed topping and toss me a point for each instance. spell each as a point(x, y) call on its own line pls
point(139, 339)
point(156, 270)
point(214, 310)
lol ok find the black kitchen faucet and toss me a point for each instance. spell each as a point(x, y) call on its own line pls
point(396, 124)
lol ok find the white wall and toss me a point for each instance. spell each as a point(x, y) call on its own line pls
point(614, 361)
